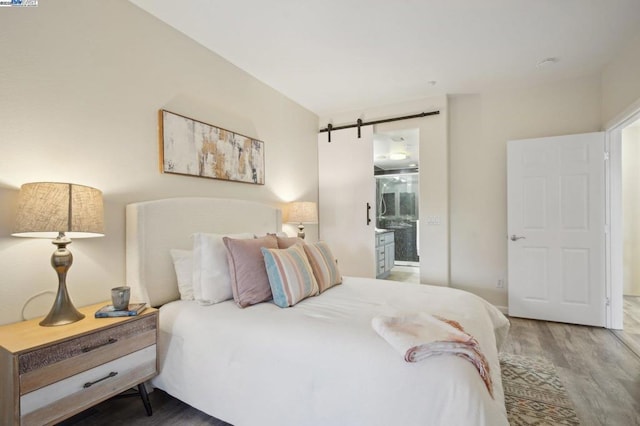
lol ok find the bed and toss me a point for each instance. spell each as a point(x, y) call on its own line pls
point(318, 362)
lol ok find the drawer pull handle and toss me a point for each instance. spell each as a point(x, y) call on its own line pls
point(108, 376)
point(108, 342)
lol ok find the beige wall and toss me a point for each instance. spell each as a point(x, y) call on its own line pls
point(81, 83)
point(434, 171)
point(631, 209)
point(480, 126)
point(463, 171)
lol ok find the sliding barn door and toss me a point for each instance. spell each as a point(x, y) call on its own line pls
point(347, 199)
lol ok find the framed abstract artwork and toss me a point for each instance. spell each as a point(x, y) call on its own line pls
point(191, 147)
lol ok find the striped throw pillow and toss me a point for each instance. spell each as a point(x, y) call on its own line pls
point(323, 264)
point(290, 275)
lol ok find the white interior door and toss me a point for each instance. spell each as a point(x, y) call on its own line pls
point(346, 189)
point(556, 225)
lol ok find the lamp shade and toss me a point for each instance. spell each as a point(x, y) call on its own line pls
point(46, 209)
point(303, 212)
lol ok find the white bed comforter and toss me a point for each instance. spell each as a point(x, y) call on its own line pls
point(321, 363)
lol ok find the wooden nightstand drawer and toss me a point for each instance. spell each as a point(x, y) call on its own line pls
point(49, 364)
point(43, 370)
point(55, 353)
point(87, 388)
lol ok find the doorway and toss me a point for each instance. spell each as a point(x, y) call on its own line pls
point(620, 270)
point(397, 181)
point(630, 191)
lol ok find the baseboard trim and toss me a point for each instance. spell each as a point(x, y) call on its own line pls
point(503, 309)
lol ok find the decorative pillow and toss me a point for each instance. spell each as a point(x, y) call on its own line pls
point(324, 265)
point(183, 264)
point(290, 275)
point(249, 281)
point(286, 242)
point(211, 277)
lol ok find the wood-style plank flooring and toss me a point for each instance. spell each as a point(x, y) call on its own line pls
point(631, 333)
point(597, 366)
point(600, 373)
point(130, 411)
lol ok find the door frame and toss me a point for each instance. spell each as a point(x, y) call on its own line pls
point(434, 240)
point(613, 215)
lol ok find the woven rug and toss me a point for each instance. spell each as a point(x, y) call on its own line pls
point(533, 392)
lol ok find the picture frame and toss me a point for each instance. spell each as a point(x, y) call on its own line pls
point(194, 148)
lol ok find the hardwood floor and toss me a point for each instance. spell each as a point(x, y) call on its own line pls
point(597, 366)
point(130, 411)
point(631, 333)
point(601, 374)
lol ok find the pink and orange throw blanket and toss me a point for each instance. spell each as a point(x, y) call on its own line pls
point(420, 336)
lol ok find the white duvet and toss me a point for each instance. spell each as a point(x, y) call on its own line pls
point(321, 363)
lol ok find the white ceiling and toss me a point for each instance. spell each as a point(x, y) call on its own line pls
point(336, 55)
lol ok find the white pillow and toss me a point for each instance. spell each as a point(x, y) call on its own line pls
point(211, 278)
point(183, 264)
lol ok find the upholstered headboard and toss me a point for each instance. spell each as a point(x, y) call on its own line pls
point(155, 227)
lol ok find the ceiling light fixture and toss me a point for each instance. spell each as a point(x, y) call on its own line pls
point(397, 156)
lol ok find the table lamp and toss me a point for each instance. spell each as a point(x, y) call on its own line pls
point(302, 212)
point(60, 211)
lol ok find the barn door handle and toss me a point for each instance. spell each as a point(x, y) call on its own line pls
point(514, 237)
point(368, 217)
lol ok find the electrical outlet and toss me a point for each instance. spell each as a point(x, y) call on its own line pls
point(433, 220)
point(500, 284)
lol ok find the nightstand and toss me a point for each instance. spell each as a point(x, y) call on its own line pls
point(48, 374)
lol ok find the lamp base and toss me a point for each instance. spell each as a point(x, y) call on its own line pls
point(301, 231)
point(62, 312)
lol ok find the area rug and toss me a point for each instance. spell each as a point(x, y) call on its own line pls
point(534, 394)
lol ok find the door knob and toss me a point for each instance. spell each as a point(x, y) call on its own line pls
point(514, 237)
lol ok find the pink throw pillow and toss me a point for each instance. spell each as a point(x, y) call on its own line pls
point(249, 280)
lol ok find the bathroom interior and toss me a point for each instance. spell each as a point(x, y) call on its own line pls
point(396, 173)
